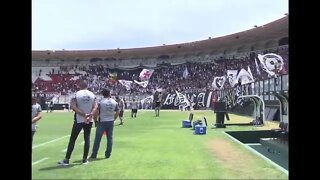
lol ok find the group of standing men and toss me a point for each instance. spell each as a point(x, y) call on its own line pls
point(88, 110)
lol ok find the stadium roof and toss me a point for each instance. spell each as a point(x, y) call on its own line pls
point(273, 31)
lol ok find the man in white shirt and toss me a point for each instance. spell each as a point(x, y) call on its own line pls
point(108, 112)
point(84, 105)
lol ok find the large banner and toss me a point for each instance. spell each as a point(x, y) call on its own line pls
point(232, 95)
point(197, 100)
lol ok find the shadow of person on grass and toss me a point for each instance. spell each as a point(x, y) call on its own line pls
point(90, 160)
point(96, 159)
point(75, 163)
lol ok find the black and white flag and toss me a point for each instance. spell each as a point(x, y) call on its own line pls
point(144, 84)
point(245, 77)
point(232, 77)
point(126, 84)
point(271, 63)
point(218, 82)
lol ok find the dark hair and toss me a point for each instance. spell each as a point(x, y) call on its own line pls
point(83, 84)
point(106, 92)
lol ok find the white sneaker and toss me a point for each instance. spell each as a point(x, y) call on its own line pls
point(63, 162)
point(85, 162)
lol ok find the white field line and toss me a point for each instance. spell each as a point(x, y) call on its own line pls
point(39, 145)
point(257, 153)
point(54, 140)
point(39, 161)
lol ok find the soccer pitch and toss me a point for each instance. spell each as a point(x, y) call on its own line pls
point(149, 147)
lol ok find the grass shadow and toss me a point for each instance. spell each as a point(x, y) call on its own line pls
point(74, 163)
point(96, 159)
point(58, 167)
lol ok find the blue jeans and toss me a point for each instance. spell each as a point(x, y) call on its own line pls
point(101, 127)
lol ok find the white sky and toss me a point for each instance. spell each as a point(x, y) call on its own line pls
point(111, 24)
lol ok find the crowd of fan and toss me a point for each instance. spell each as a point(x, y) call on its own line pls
point(169, 78)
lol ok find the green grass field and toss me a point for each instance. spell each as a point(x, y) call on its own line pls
point(149, 147)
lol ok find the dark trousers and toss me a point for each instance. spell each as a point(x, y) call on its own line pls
point(76, 128)
point(134, 112)
point(101, 127)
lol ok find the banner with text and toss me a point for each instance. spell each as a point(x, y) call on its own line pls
point(197, 100)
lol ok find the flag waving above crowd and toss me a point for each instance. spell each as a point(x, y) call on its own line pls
point(144, 84)
point(218, 82)
point(126, 84)
point(145, 74)
point(271, 63)
point(232, 77)
point(245, 77)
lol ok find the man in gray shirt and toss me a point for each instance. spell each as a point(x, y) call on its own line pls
point(108, 112)
point(84, 105)
point(35, 115)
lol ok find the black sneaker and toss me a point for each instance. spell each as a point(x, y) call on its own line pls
point(107, 156)
point(64, 162)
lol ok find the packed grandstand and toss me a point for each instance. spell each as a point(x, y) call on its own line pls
point(192, 67)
